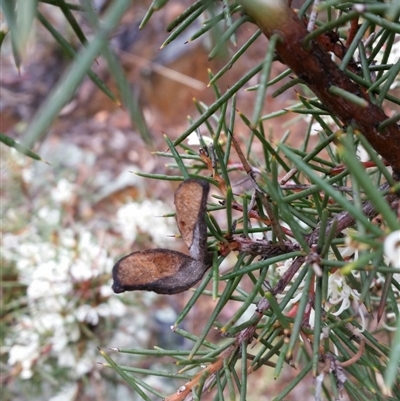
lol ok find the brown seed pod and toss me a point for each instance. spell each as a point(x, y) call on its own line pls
point(165, 271)
point(159, 270)
point(190, 204)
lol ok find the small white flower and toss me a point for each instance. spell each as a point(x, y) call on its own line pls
point(81, 271)
point(26, 356)
point(85, 313)
point(27, 175)
point(64, 191)
point(27, 249)
point(48, 322)
point(104, 310)
point(59, 341)
point(66, 358)
point(27, 371)
point(84, 365)
point(11, 215)
point(50, 215)
point(151, 222)
point(126, 221)
point(71, 327)
point(10, 241)
point(193, 139)
point(391, 248)
point(340, 292)
point(106, 291)
point(67, 393)
point(117, 308)
point(282, 268)
point(316, 126)
point(49, 279)
point(25, 333)
point(38, 289)
point(114, 307)
point(350, 249)
point(67, 239)
point(145, 217)
point(362, 154)
point(19, 353)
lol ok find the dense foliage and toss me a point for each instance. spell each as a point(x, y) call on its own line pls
point(304, 230)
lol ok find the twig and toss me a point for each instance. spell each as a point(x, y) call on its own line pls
point(210, 371)
point(162, 70)
point(302, 187)
point(315, 67)
point(339, 222)
point(355, 357)
point(263, 248)
point(345, 219)
point(245, 163)
point(274, 222)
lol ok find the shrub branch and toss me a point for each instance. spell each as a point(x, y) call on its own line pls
point(314, 66)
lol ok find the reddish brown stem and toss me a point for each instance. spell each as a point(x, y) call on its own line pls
point(310, 62)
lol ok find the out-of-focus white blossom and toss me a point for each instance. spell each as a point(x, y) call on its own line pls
point(114, 307)
point(145, 217)
point(362, 154)
point(11, 215)
point(65, 276)
point(80, 271)
point(85, 363)
point(17, 157)
point(73, 358)
point(193, 139)
point(316, 126)
point(67, 239)
point(51, 327)
point(50, 215)
point(391, 248)
point(85, 313)
point(91, 315)
point(24, 355)
point(106, 291)
point(66, 358)
point(126, 221)
point(64, 191)
point(27, 175)
point(67, 393)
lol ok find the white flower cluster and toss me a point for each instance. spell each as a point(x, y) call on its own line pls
point(340, 293)
point(62, 282)
point(66, 276)
point(68, 286)
point(145, 217)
